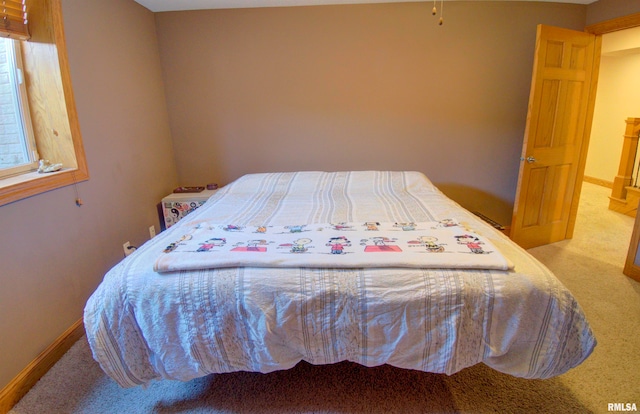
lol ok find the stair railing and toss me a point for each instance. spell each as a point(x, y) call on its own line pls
point(627, 160)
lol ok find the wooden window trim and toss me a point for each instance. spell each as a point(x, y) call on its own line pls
point(47, 27)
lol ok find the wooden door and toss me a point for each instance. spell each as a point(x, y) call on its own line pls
point(556, 135)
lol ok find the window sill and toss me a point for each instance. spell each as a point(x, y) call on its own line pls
point(26, 185)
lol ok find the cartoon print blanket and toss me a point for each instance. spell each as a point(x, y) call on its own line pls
point(443, 244)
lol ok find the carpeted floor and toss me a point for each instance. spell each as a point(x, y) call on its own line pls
point(590, 265)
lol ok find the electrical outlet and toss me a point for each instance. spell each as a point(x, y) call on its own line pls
point(152, 231)
point(127, 248)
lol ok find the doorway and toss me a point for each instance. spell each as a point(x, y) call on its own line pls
point(620, 53)
point(627, 27)
point(618, 98)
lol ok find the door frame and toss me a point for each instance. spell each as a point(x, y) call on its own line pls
point(613, 25)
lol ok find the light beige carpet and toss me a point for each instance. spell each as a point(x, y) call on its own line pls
point(590, 265)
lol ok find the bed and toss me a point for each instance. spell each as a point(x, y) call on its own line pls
point(151, 319)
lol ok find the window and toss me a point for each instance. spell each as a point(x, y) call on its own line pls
point(18, 152)
point(56, 130)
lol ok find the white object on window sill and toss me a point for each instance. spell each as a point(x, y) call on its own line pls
point(46, 166)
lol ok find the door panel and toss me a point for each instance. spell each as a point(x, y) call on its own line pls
point(549, 104)
point(533, 205)
point(560, 108)
point(557, 210)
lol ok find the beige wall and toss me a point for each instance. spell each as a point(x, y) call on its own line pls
point(353, 87)
point(54, 253)
point(603, 10)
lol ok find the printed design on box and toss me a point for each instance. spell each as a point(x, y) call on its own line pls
point(174, 211)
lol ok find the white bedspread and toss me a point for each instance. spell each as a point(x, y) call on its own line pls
point(143, 325)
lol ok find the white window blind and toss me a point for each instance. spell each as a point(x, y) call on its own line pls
point(13, 23)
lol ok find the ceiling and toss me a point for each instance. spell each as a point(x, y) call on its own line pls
point(174, 5)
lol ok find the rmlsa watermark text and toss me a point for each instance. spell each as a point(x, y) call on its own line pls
point(622, 407)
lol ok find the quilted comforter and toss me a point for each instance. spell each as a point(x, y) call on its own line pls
point(143, 325)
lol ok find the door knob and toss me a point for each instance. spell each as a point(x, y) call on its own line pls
point(529, 159)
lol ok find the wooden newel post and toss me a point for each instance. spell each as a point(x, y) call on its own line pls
point(629, 148)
